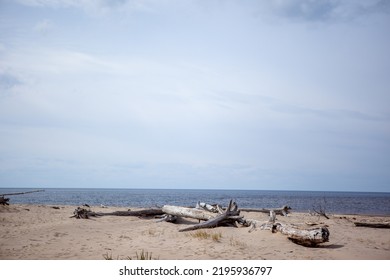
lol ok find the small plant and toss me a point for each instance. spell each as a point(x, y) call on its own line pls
point(235, 242)
point(202, 234)
point(216, 236)
point(144, 255)
point(108, 257)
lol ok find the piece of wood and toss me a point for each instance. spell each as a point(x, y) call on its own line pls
point(215, 208)
point(167, 218)
point(186, 212)
point(283, 211)
point(83, 213)
point(306, 237)
point(136, 213)
point(4, 201)
point(372, 225)
point(231, 215)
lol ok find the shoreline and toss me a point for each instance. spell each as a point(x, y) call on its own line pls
point(39, 231)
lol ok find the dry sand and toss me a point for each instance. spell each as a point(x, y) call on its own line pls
point(33, 232)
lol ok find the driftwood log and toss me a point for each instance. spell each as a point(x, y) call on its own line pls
point(4, 201)
point(306, 237)
point(137, 213)
point(83, 213)
point(229, 216)
point(372, 225)
point(186, 212)
point(285, 210)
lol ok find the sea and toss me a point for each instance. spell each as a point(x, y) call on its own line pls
point(369, 203)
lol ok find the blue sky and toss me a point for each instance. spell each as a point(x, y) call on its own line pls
point(280, 95)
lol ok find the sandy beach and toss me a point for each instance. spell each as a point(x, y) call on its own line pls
point(44, 232)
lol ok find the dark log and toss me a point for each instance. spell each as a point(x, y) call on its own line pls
point(82, 213)
point(230, 215)
point(4, 201)
point(372, 225)
point(136, 213)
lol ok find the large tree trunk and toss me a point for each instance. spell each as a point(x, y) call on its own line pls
point(188, 212)
point(307, 237)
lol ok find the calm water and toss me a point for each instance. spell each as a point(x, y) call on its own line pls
point(302, 201)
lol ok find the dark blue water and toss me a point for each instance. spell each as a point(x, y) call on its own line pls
point(302, 201)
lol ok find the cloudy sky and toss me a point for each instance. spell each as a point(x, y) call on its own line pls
point(278, 94)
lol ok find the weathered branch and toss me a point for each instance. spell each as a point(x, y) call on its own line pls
point(167, 218)
point(285, 210)
point(82, 213)
point(188, 212)
point(372, 225)
point(231, 214)
point(136, 213)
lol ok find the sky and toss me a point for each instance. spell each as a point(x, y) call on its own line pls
point(234, 94)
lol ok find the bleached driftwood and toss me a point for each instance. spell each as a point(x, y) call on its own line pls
point(285, 210)
point(167, 218)
point(230, 216)
point(188, 212)
point(307, 237)
point(208, 207)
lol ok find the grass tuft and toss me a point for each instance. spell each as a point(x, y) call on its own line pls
point(143, 255)
point(202, 234)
